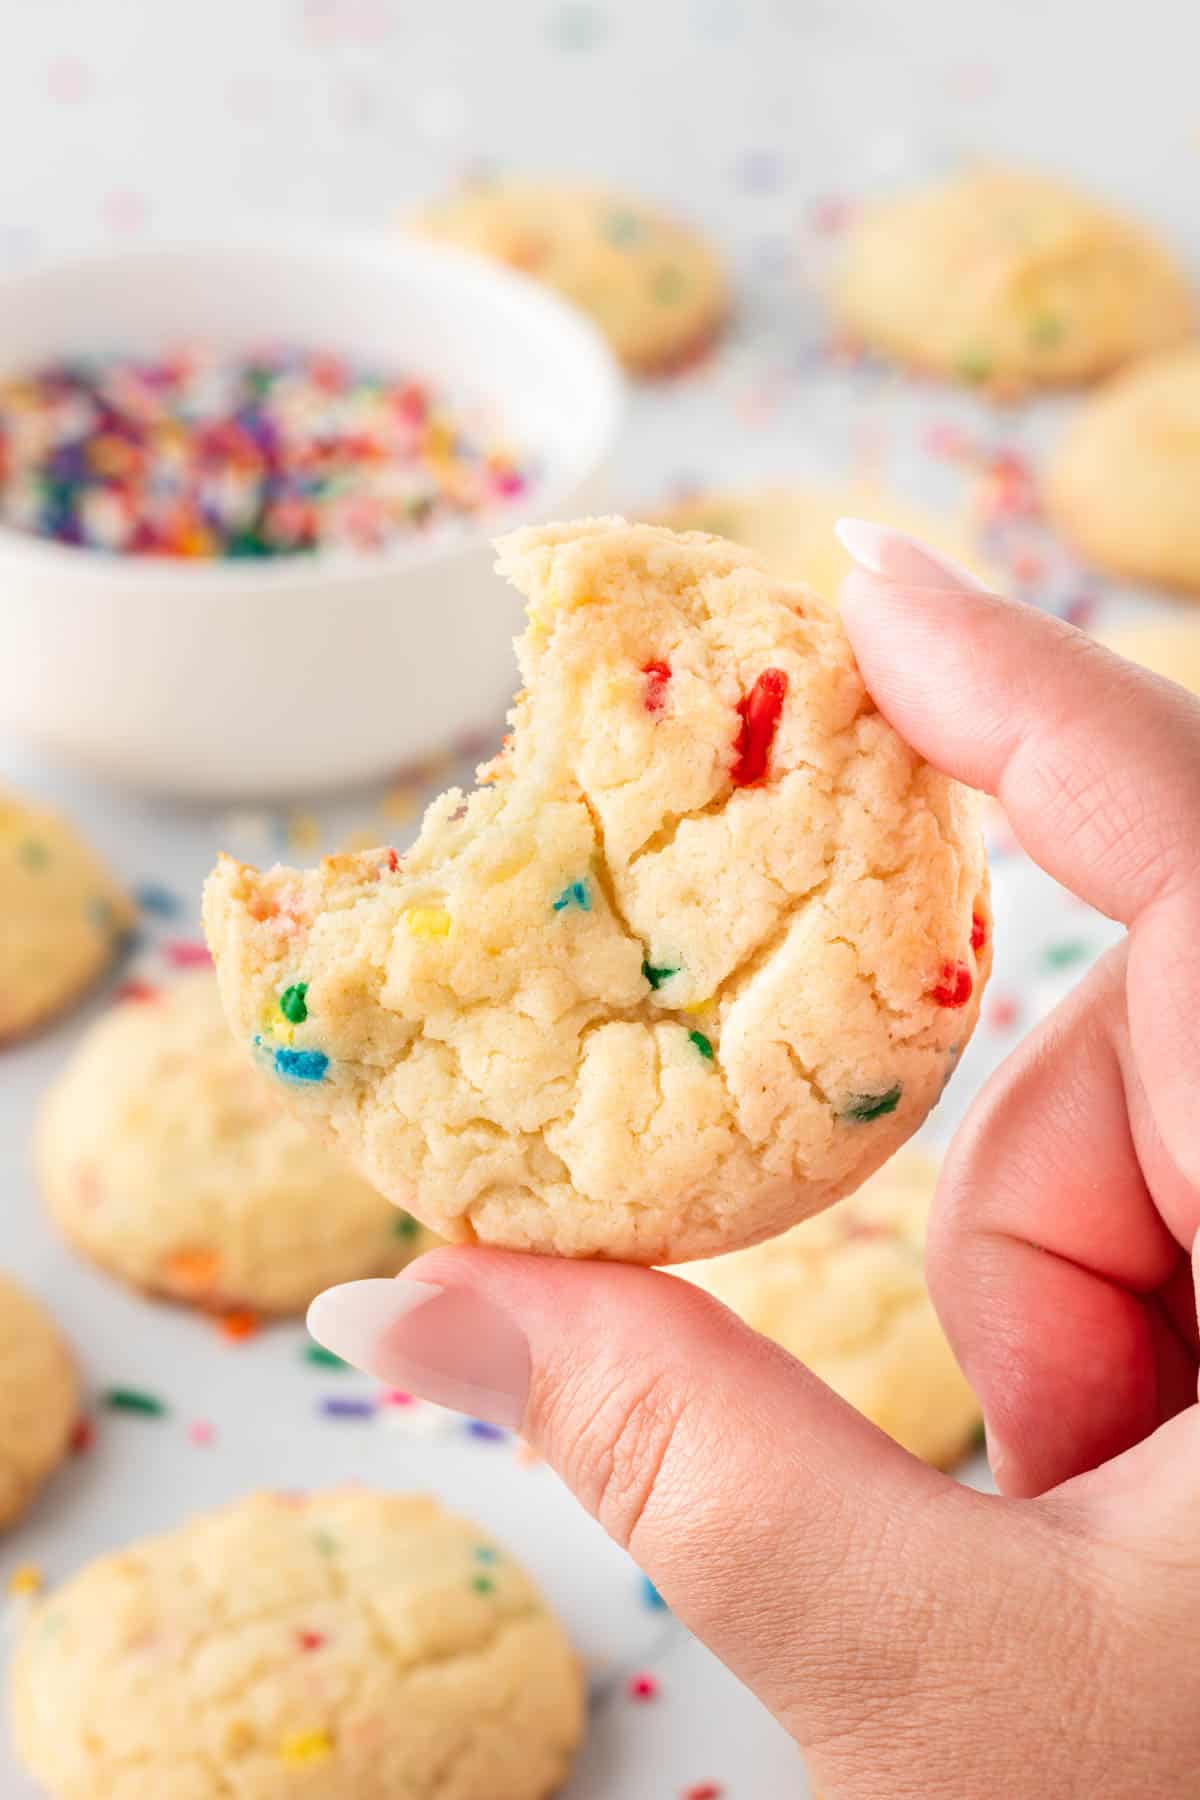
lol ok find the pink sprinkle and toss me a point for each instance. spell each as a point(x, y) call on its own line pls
point(1027, 567)
point(68, 79)
point(1003, 1012)
point(311, 1640)
point(947, 442)
point(830, 215)
point(703, 1790)
point(642, 1687)
point(201, 1433)
point(395, 1397)
point(183, 953)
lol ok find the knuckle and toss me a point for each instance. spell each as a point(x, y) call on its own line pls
point(614, 1438)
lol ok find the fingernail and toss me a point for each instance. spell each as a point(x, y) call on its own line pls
point(444, 1344)
point(898, 557)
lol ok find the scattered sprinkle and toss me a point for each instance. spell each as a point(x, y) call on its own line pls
point(702, 1044)
point(651, 1597)
point(1003, 1012)
point(658, 676)
point(136, 992)
point(862, 1108)
point(974, 366)
point(305, 1747)
point(192, 1271)
point(955, 987)
point(657, 974)
point(33, 853)
point(301, 1065)
point(152, 897)
point(83, 1436)
point(202, 1433)
point(978, 932)
point(404, 1226)
point(486, 1553)
point(27, 1578)
point(577, 894)
point(643, 1686)
point(236, 1327)
point(293, 1002)
point(703, 1790)
point(346, 1406)
point(187, 953)
point(134, 1400)
point(490, 1434)
point(325, 1542)
point(759, 712)
point(428, 921)
point(483, 1584)
point(311, 1640)
point(1065, 953)
point(322, 1358)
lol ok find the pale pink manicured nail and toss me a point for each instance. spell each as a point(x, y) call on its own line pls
point(898, 557)
point(445, 1344)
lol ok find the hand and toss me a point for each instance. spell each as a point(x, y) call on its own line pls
point(916, 1637)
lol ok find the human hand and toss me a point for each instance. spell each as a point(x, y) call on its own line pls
point(917, 1637)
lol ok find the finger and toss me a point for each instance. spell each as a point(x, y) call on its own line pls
point(1046, 1248)
point(797, 1540)
point(1097, 764)
point(1095, 761)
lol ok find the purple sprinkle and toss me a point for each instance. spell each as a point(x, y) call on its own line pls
point(341, 1406)
point(491, 1434)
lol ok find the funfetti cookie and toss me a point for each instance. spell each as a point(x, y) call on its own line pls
point(1009, 280)
point(180, 1170)
point(654, 287)
point(694, 960)
point(845, 1293)
point(39, 1398)
point(1123, 484)
point(341, 1646)
point(792, 528)
point(62, 916)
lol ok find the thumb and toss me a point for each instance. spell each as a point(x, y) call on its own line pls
point(798, 1541)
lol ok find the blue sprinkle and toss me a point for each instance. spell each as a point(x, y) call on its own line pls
point(341, 1406)
point(651, 1596)
point(485, 1553)
point(491, 1434)
point(577, 894)
point(153, 897)
point(301, 1065)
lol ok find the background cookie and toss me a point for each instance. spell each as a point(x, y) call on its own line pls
point(351, 1645)
point(655, 289)
point(1169, 647)
point(1123, 483)
point(39, 1397)
point(173, 1165)
point(845, 1293)
point(698, 960)
point(1009, 280)
point(791, 528)
point(61, 915)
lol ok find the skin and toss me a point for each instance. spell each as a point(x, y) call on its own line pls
point(914, 1636)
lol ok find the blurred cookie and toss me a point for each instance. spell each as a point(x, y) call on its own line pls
point(791, 528)
point(39, 1397)
point(845, 1293)
point(1169, 647)
point(173, 1164)
point(1124, 484)
point(62, 917)
point(1009, 280)
point(654, 287)
point(346, 1646)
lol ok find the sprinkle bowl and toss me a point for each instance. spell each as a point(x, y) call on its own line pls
point(231, 678)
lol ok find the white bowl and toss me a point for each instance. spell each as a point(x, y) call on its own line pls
point(229, 678)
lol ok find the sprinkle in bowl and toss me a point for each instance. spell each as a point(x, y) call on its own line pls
point(225, 673)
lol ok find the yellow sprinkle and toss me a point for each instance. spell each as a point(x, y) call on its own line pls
point(303, 831)
point(428, 921)
point(697, 1006)
point(28, 1579)
point(306, 1747)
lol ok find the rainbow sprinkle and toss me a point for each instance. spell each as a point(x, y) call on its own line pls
point(301, 1065)
point(278, 452)
point(862, 1108)
point(576, 894)
point(702, 1044)
point(305, 1747)
point(293, 1003)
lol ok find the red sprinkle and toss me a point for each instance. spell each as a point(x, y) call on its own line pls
point(657, 674)
point(393, 861)
point(978, 932)
point(182, 954)
point(759, 711)
point(236, 1327)
point(703, 1790)
point(642, 1687)
point(83, 1436)
point(139, 991)
point(311, 1640)
point(955, 987)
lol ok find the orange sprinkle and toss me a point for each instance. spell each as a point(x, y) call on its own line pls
point(193, 1271)
point(236, 1327)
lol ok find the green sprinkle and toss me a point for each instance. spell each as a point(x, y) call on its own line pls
point(33, 853)
point(486, 1553)
point(323, 1358)
point(702, 1044)
point(576, 893)
point(623, 228)
point(656, 976)
point(1062, 955)
point(1046, 331)
point(862, 1108)
point(134, 1400)
point(483, 1584)
point(293, 1002)
point(405, 1226)
point(975, 366)
point(669, 285)
point(326, 1543)
point(979, 1437)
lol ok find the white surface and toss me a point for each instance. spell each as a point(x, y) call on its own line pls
point(136, 121)
point(227, 678)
